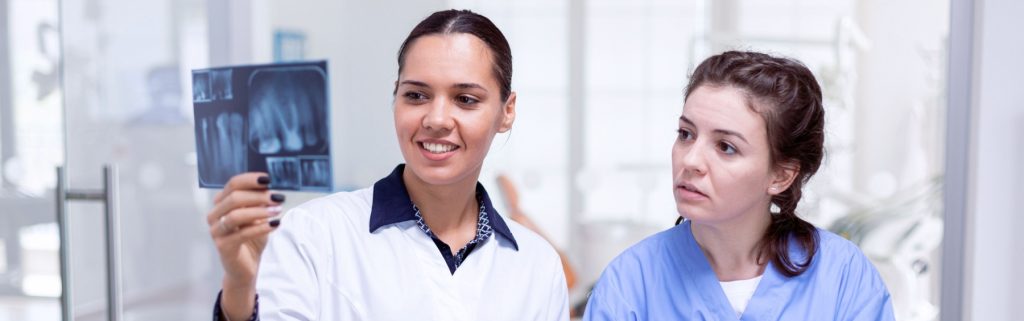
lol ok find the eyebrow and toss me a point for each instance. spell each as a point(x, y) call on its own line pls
point(414, 83)
point(717, 131)
point(467, 85)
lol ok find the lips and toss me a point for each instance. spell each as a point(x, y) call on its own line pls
point(436, 149)
point(688, 191)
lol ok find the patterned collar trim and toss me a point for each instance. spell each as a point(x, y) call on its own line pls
point(391, 205)
point(483, 231)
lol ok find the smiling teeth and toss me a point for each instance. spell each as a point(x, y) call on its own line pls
point(438, 148)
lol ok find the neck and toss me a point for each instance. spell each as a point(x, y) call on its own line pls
point(732, 247)
point(449, 210)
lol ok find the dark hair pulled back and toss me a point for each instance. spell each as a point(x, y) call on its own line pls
point(787, 96)
point(465, 21)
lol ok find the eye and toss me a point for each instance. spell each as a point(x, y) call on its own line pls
point(727, 148)
point(684, 134)
point(413, 96)
point(466, 100)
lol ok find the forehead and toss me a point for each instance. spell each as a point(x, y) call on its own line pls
point(723, 107)
point(458, 57)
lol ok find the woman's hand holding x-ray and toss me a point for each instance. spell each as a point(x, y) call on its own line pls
point(240, 221)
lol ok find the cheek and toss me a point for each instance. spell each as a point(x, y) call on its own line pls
point(498, 118)
point(743, 179)
point(405, 123)
point(481, 134)
point(478, 125)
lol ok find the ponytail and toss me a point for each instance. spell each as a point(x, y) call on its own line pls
point(786, 227)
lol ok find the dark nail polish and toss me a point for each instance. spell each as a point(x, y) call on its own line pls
point(263, 180)
point(275, 223)
point(277, 198)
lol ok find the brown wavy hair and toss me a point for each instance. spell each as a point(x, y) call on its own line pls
point(787, 96)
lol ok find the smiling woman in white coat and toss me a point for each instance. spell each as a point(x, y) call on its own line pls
point(423, 243)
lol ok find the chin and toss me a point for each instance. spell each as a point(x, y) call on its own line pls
point(694, 213)
point(437, 175)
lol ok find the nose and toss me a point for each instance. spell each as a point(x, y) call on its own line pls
point(693, 160)
point(439, 117)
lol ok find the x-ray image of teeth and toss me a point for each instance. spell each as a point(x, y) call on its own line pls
point(284, 172)
point(268, 118)
point(211, 85)
point(222, 154)
point(201, 90)
point(316, 171)
point(285, 105)
point(220, 84)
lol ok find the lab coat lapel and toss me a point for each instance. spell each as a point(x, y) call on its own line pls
point(472, 276)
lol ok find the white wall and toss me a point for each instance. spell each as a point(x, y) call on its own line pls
point(900, 85)
point(995, 283)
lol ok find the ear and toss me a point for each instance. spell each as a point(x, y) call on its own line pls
point(783, 176)
point(508, 113)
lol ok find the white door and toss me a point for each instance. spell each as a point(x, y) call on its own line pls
point(126, 104)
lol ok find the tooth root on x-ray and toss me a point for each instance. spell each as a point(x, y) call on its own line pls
point(219, 148)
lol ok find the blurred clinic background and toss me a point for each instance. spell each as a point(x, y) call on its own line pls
point(925, 137)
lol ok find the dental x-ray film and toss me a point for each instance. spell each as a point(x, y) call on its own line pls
point(267, 118)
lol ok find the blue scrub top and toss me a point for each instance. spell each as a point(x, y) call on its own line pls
point(667, 277)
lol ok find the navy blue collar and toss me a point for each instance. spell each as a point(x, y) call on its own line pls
point(391, 204)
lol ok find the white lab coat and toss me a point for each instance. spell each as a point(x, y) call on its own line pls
point(324, 264)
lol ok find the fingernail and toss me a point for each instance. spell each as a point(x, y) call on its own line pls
point(277, 198)
point(274, 210)
point(263, 180)
point(275, 223)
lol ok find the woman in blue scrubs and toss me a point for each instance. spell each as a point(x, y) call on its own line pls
point(423, 243)
point(751, 134)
